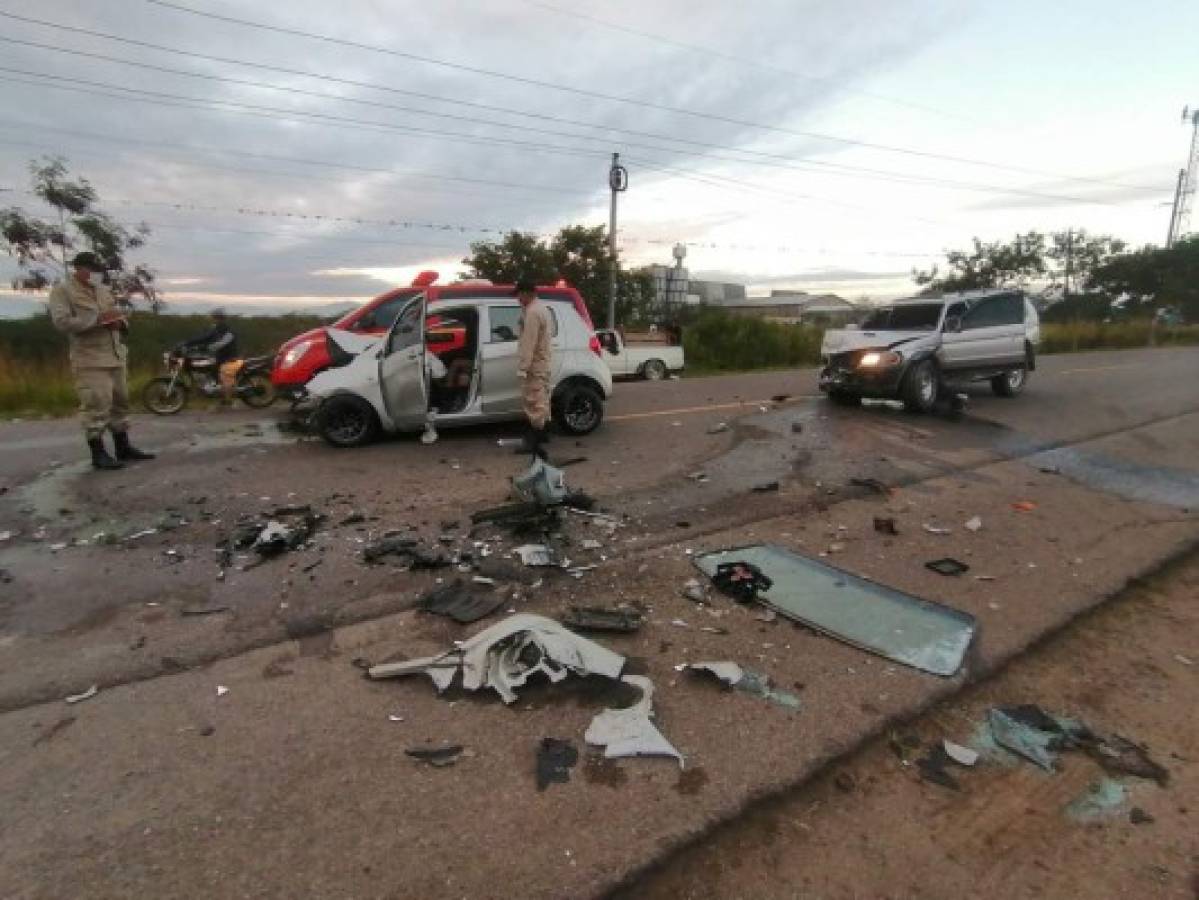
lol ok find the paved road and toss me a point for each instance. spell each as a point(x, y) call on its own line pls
point(306, 759)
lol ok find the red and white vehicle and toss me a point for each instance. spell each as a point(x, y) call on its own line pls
point(308, 354)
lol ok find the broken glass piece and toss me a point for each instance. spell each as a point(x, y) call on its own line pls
point(1102, 798)
point(1030, 740)
point(629, 732)
point(746, 681)
point(947, 566)
point(898, 626)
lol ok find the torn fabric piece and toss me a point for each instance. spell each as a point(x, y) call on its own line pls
point(629, 731)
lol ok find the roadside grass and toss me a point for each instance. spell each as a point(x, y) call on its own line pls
point(35, 379)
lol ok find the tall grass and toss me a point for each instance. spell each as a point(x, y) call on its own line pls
point(1070, 337)
point(35, 378)
point(717, 342)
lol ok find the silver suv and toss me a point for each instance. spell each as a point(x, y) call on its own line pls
point(395, 384)
point(911, 349)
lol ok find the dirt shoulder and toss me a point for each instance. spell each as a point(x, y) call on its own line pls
point(870, 827)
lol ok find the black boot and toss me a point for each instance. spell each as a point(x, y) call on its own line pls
point(100, 457)
point(126, 452)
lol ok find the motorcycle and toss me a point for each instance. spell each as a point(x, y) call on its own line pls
point(191, 370)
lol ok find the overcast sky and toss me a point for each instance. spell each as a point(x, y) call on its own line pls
point(1073, 107)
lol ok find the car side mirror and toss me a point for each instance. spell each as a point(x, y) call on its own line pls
point(953, 324)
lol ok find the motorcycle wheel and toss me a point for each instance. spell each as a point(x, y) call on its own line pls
point(256, 390)
point(161, 397)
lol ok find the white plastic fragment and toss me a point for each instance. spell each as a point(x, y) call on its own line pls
point(959, 754)
point(394, 718)
point(1185, 660)
point(974, 524)
point(629, 732)
point(535, 555)
point(85, 695)
point(221, 690)
point(936, 529)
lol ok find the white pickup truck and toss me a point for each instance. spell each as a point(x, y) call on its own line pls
point(652, 361)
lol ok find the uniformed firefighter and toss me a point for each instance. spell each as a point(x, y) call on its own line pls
point(84, 309)
point(534, 363)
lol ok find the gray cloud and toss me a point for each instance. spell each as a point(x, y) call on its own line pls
point(232, 252)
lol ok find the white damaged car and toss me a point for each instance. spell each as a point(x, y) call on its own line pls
point(910, 349)
point(393, 383)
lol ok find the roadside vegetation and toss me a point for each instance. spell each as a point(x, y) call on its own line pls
point(35, 378)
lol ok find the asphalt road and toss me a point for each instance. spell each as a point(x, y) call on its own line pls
point(113, 579)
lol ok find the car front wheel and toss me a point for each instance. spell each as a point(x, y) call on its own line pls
point(578, 409)
point(347, 421)
point(920, 388)
point(1009, 384)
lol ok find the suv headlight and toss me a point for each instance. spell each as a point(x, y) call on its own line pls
point(879, 359)
point(292, 356)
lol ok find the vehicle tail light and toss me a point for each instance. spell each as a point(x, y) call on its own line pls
point(595, 346)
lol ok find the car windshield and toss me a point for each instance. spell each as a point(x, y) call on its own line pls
point(904, 317)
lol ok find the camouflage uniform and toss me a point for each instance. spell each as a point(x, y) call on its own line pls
point(98, 355)
point(533, 367)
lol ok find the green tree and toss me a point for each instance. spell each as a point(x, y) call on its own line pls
point(1017, 263)
point(1074, 257)
point(1154, 277)
point(41, 246)
point(577, 254)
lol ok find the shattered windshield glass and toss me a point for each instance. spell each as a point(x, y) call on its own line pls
point(903, 628)
point(904, 317)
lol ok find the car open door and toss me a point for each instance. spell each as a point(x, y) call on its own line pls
point(403, 376)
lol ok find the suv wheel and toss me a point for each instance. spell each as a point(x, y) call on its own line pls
point(654, 370)
point(1009, 384)
point(919, 391)
point(578, 409)
point(347, 421)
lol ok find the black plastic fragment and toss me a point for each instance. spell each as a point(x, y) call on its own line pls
point(598, 618)
point(947, 566)
point(933, 767)
point(436, 756)
point(741, 580)
point(555, 759)
point(460, 602)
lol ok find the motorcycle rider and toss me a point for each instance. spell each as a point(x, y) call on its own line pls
point(84, 309)
point(221, 342)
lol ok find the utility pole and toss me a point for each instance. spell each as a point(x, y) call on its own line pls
point(1182, 177)
point(1186, 192)
point(618, 181)
point(1069, 263)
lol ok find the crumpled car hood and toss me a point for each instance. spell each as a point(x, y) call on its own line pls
point(841, 340)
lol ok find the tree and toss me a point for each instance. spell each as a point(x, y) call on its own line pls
point(988, 265)
point(1154, 277)
point(41, 247)
point(1076, 255)
point(577, 254)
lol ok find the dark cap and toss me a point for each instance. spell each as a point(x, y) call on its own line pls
point(88, 260)
point(524, 286)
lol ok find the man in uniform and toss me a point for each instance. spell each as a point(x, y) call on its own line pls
point(533, 365)
point(82, 307)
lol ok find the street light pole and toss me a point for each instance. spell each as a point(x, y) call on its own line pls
point(618, 181)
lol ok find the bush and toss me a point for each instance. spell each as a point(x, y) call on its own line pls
point(718, 342)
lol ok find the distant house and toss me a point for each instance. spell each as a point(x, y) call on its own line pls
point(795, 307)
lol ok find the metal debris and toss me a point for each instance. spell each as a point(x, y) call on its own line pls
point(885, 525)
point(438, 757)
point(536, 555)
point(505, 656)
point(597, 618)
point(85, 695)
point(459, 602)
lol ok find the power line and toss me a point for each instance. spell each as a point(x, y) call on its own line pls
point(475, 70)
point(740, 60)
point(266, 157)
point(837, 169)
point(162, 98)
